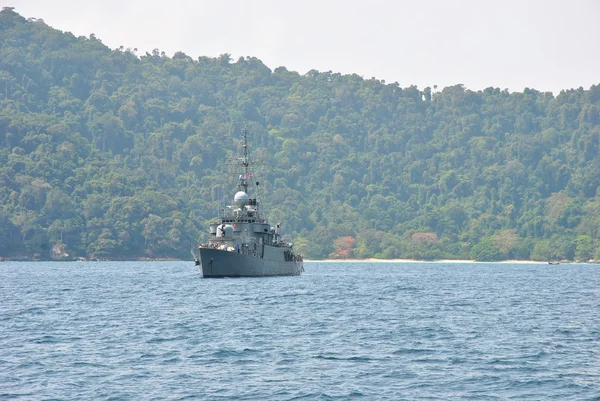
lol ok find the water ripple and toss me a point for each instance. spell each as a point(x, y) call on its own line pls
point(436, 331)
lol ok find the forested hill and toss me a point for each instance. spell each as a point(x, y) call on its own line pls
point(112, 155)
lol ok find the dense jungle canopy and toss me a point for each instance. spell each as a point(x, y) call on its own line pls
point(108, 154)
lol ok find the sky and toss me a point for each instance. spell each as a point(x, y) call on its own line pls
point(547, 45)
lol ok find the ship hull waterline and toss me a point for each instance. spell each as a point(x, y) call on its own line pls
point(216, 263)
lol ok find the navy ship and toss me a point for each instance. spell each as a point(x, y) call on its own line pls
point(242, 243)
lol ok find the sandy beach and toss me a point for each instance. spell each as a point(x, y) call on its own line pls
point(371, 260)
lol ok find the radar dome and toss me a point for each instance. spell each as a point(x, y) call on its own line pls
point(240, 199)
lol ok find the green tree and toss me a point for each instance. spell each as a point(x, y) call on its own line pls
point(486, 251)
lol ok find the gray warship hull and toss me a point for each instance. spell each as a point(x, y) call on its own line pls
point(216, 263)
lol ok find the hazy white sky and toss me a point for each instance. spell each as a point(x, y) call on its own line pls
point(548, 45)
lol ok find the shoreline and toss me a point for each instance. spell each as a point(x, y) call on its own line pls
point(372, 260)
point(369, 260)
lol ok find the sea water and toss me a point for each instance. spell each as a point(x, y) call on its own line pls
point(397, 331)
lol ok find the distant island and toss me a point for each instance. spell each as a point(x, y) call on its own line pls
point(110, 154)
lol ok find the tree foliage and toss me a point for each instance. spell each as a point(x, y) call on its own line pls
point(110, 154)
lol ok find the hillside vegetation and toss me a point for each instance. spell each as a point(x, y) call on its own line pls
point(108, 154)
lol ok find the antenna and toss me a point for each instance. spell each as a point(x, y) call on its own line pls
point(245, 161)
point(246, 178)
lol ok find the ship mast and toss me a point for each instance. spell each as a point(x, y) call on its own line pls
point(243, 182)
point(245, 161)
